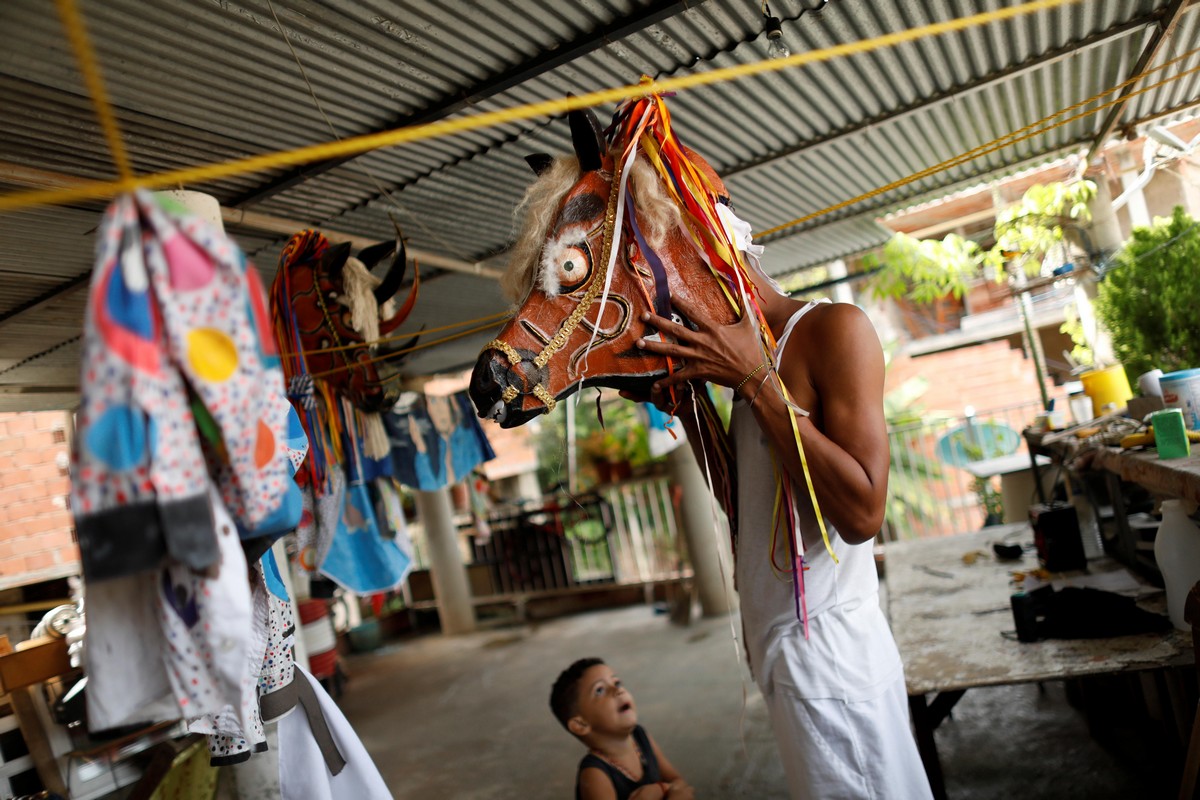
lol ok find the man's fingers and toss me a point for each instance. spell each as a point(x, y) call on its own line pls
point(664, 385)
point(667, 326)
point(663, 348)
point(687, 306)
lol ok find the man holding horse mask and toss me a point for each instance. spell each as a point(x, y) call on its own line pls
point(819, 645)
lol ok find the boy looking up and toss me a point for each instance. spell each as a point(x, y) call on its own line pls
point(623, 762)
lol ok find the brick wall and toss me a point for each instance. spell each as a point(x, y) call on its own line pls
point(988, 376)
point(36, 531)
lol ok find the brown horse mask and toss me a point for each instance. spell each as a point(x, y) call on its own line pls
point(314, 281)
point(517, 377)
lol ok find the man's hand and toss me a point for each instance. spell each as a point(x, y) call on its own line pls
point(722, 354)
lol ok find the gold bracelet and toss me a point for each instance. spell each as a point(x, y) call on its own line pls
point(749, 375)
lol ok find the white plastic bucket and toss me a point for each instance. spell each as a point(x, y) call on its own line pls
point(1182, 390)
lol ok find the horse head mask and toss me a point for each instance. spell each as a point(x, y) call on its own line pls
point(336, 312)
point(605, 242)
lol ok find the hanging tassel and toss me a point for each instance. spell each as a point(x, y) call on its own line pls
point(358, 286)
point(375, 439)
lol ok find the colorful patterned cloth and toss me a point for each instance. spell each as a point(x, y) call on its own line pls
point(176, 336)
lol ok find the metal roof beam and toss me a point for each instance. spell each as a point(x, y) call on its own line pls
point(1166, 23)
point(1040, 60)
point(590, 41)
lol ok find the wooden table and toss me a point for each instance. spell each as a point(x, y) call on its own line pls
point(1171, 477)
point(948, 618)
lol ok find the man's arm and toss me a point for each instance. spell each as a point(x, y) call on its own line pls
point(848, 456)
point(842, 370)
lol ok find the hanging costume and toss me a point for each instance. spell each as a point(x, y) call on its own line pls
point(184, 459)
point(836, 697)
point(182, 442)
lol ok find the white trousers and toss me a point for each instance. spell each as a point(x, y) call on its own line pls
point(835, 750)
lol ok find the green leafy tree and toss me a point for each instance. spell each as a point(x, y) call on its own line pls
point(1035, 227)
point(1150, 299)
point(925, 269)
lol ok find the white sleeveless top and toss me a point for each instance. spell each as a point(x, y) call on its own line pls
point(850, 652)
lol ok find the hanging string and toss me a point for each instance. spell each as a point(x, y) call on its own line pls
point(361, 144)
point(393, 353)
point(397, 337)
point(85, 56)
point(357, 167)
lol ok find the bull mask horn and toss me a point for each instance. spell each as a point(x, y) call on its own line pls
point(370, 256)
point(588, 139)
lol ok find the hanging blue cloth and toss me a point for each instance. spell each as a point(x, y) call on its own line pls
point(436, 441)
point(359, 559)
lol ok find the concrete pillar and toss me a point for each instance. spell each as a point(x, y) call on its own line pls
point(842, 293)
point(450, 585)
point(1135, 204)
point(1106, 238)
point(708, 550)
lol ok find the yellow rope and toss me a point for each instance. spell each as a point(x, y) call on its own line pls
point(392, 354)
point(72, 22)
point(1019, 135)
point(401, 336)
point(361, 144)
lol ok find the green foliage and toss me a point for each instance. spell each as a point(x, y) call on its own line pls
point(910, 472)
point(622, 438)
point(927, 269)
point(1149, 300)
point(1032, 228)
point(1072, 326)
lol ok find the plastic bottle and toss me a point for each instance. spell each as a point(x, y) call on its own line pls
point(1177, 551)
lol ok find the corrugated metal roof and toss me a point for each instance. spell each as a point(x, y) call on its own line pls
point(198, 82)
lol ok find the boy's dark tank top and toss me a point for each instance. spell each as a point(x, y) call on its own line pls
point(620, 781)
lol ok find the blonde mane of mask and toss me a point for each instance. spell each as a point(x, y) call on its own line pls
point(658, 216)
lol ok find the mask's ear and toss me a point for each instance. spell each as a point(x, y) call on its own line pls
point(579, 726)
point(588, 139)
point(539, 162)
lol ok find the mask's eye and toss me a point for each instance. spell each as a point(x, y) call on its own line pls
point(572, 267)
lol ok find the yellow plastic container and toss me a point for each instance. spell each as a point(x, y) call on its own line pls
point(1104, 386)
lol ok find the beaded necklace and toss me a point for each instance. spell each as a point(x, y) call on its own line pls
point(641, 760)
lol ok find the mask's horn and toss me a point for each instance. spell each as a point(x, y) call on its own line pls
point(395, 274)
point(588, 138)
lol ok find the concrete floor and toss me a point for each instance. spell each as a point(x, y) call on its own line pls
point(468, 718)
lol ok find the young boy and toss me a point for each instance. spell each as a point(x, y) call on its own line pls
point(623, 762)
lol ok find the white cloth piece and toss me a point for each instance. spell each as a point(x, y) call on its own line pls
point(836, 750)
point(207, 622)
point(303, 774)
point(236, 732)
point(123, 654)
point(740, 233)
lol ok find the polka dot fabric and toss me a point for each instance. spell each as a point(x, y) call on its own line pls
point(171, 321)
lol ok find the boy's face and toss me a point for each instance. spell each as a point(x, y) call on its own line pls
point(605, 706)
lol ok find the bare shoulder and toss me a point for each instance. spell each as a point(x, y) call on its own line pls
point(836, 321)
